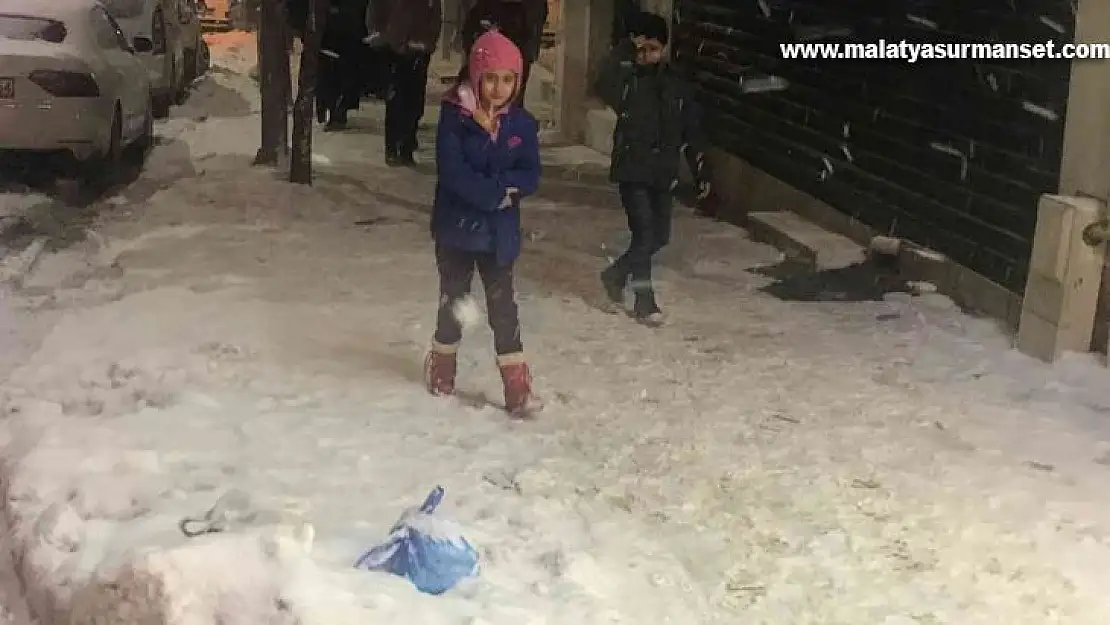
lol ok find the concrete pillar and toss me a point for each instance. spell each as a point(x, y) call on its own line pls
point(1086, 159)
point(1085, 185)
point(583, 41)
point(1061, 294)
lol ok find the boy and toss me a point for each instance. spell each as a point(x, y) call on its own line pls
point(657, 121)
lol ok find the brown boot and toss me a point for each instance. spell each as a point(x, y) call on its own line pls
point(520, 401)
point(440, 366)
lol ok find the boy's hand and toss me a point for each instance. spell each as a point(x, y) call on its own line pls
point(512, 197)
point(704, 189)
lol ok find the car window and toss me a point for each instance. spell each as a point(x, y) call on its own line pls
point(24, 28)
point(109, 36)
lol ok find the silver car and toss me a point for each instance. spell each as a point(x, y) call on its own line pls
point(70, 84)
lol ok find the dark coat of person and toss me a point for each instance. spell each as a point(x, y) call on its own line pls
point(657, 119)
point(522, 21)
point(405, 25)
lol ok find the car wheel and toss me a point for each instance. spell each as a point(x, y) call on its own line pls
point(191, 72)
point(205, 58)
point(105, 169)
point(181, 87)
point(161, 104)
point(142, 145)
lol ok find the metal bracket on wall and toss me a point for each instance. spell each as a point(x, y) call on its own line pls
point(1097, 233)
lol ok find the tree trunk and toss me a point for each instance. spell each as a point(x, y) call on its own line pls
point(300, 165)
point(273, 73)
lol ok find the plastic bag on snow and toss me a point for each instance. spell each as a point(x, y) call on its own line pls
point(429, 551)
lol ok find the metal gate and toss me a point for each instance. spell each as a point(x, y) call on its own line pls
point(951, 154)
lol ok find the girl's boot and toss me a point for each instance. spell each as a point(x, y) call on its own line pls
point(520, 401)
point(440, 366)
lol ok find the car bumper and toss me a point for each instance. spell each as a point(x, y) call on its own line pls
point(79, 127)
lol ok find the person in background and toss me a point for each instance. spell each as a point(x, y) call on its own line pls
point(657, 121)
point(522, 21)
point(409, 30)
point(487, 160)
point(625, 11)
point(340, 79)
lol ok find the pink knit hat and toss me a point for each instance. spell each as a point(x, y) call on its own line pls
point(493, 52)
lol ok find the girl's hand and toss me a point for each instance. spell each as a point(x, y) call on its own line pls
point(512, 196)
point(482, 117)
point(486, 119)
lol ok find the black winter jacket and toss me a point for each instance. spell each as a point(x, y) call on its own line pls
point(657, 120)
point(521, 21)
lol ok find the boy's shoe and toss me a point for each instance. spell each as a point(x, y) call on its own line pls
point(614, 281)
point(646, 310)
point(440, 367)
point(652, 320)
point(393, 158)
point(406, 159)
point(520, 401)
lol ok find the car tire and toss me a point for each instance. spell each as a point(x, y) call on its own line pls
point(105, 169)
point(141, 147)
point(191, 72)
point(181, 87)
point(205, 55)
point(160, 105)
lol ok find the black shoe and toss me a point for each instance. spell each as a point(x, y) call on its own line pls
point(646, 310)
point(393, 159)
point(321, 113)
point(614, 280)
point(335, 125)
point(406, 159)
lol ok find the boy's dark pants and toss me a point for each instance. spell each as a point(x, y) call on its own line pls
point(405, 106)
point(456, 272)
point(649, 211)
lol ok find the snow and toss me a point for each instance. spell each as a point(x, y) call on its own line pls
point(757, 461)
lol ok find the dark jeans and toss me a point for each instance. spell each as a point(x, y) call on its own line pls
point(339, 84)
point(649, 220)
point(456, 272)
point(405, 106)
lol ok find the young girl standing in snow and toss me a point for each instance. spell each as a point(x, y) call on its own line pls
point(487, 157)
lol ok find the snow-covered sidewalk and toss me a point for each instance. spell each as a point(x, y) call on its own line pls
point(757, 461)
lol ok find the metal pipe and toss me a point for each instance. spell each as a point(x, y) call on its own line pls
point(1097, 233)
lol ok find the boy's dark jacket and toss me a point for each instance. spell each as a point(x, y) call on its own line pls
point(474, 172)
point(657, 120)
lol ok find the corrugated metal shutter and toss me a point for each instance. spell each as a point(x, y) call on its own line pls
point(950, 154)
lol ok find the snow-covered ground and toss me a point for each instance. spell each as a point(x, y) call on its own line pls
point(757, 461)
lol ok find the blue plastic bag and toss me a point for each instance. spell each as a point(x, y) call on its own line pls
point(429, 551)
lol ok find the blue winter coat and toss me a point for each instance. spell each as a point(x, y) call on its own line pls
point(474, 172)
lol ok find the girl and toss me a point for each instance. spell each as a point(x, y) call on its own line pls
point(487, 160)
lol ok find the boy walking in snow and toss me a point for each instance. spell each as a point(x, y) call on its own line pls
point(657, 122)
point(487, 160)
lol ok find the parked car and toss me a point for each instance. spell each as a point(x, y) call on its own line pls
point(159, 23)
point(71, 86)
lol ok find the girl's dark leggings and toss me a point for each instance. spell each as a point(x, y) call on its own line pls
point(456, 273)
